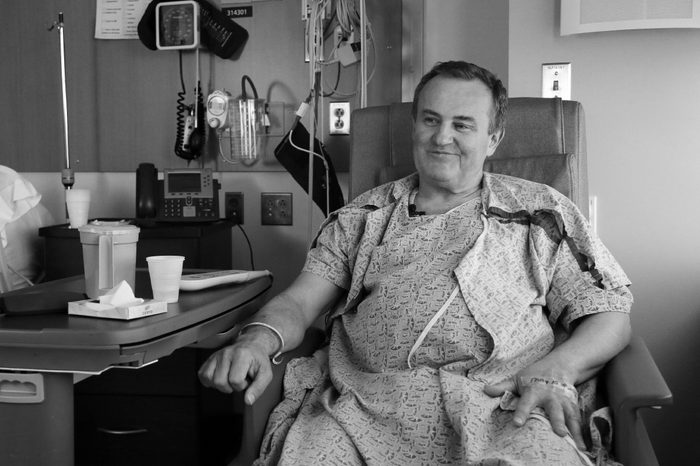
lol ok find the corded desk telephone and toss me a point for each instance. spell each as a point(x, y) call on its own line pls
point(183, 195)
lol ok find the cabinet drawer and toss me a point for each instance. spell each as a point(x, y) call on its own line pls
point(174, 375)
point(136, 430)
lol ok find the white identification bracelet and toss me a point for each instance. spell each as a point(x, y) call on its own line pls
point(275, 357)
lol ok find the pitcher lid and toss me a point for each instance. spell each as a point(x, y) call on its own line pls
point(104, 227)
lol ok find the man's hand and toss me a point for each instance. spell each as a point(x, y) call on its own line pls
point(548, 383)
point(556, 397)
point(244, 365)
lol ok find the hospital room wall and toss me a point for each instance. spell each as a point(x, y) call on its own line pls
point(640, 90)
point(122, 105)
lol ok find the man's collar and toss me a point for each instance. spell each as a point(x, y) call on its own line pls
point(404, 186)
point(495, 192)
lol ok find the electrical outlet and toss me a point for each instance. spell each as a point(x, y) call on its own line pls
point(556, 80)
point(233, 207)
point(276, 208)
point(339, 118)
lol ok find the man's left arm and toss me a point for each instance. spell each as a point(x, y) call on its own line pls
point(594, 306)
point(549, 383)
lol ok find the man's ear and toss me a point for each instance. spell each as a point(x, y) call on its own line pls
point(495, 139)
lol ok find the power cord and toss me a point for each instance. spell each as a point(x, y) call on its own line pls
point(250, 247)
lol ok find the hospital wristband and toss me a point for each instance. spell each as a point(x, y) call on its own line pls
point(562, 387)
point(275, 358)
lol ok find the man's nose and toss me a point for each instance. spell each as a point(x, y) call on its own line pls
point(443, 135)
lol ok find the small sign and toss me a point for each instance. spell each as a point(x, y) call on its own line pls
point(238, 11)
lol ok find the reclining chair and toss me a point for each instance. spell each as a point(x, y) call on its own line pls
point(544, 142)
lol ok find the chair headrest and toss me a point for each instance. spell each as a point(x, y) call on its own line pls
point(381, 146)
point(534, 126)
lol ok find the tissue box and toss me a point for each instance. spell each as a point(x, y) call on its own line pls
point(93, 308)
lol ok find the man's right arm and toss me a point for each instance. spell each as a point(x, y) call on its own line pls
point(245, 364)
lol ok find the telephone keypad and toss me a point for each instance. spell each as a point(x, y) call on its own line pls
point(189, 208)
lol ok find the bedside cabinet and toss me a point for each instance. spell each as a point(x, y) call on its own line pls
point(156, 415)
point(159, 414)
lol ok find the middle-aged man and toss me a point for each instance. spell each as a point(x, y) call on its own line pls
point(457, 282)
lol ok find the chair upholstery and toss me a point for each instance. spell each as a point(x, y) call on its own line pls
point(544, 142)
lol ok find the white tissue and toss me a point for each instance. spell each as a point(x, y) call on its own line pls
point(120, 295)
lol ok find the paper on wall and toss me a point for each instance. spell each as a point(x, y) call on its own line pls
point(118, 19)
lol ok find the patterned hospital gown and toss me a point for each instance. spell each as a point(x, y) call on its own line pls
point(510, 251)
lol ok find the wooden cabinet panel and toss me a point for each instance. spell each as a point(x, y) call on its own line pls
point(136, 430)
point(156, 415)
point(174, 375)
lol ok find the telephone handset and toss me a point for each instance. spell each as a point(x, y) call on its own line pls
point(219, 33)
point(146, 190)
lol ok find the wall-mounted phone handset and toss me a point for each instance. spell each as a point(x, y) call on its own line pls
point(219, 33)
point(146, 191)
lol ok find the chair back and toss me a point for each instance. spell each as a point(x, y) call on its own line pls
point(544, 141)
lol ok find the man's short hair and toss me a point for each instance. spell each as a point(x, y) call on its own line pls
point(469, 72)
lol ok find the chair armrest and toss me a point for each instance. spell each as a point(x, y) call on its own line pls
point(633, 381)
point(255, 416)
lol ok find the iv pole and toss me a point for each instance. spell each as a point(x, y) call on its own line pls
point(67, 177)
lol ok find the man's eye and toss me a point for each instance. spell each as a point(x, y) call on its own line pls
point(430, 121)
point(463, 127)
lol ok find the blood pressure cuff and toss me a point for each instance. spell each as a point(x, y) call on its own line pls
point(294, 157)
point(219, 33)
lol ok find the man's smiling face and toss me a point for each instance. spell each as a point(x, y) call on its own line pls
point(451, 136)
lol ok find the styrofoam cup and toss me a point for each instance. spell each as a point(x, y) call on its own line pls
point(165, 273)
point(78, 204)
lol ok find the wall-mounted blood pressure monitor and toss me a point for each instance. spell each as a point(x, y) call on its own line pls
point(177, 25)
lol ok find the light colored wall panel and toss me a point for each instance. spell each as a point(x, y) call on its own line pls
point(640, 90)
point(471, 30)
